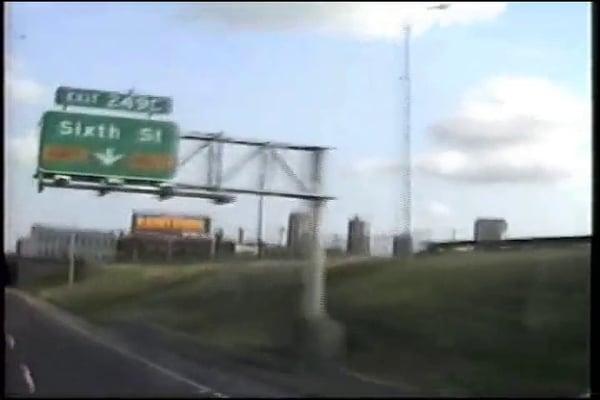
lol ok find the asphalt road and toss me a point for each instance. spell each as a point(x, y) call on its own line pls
point(50, 354)
point(47, 358)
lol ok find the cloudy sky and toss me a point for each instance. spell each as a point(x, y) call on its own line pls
point(501, 105)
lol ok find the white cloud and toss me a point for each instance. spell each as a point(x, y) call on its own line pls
point(23, 149)
point(370, 166)
point(21, 89)
point(14, 63)
point(514, 129)
point(467, 131)
point(493, 168)
point(530, 97)
point(507, 130)
point(363, 20)
point(437, 209)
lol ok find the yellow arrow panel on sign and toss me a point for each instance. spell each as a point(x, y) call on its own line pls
point(151, 162)
point(65, 154)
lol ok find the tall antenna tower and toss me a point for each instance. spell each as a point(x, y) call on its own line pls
point(406, 181)
point(405, 155)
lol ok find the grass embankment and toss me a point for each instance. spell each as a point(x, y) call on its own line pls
point(510, 323)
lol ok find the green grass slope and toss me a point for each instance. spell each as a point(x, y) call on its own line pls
point(497, 323)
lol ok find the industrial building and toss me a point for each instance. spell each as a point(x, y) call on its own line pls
point(50, 242)
point(240, 240)
point(152, 247)
point(488, 229)
point(299, 233)
point(161, 237)
point(359, 239)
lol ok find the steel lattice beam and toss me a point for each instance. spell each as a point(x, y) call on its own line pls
point(175, 192)
point(215, 177)
point(222, 139)
point(272, 193)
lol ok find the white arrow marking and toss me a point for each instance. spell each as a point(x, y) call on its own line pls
point(11, 341)
point(28, 378)
point(109, 157)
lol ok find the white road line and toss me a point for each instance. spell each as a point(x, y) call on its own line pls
point(10, 341)
point(369, 379)
point(200, 388)
point(365, 378)
point(73, 324)
point(28, 378)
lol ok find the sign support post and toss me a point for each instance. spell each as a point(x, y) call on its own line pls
point(261, 202)
point(322, 336)
point(314, 277)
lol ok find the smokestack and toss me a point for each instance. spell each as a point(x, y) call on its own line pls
point(218, 241)
point(282, 236)
point(240, 236)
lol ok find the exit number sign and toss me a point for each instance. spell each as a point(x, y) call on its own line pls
point(116, 101)
point(106, 146)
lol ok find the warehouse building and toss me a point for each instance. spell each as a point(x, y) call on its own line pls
point(167, 237)
point(152, 248)
point(52, 243)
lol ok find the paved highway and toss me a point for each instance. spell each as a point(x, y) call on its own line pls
point(48, 353)
point(47, 358)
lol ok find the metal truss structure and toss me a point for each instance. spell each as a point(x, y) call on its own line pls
point(215, 189)
point(216, 180)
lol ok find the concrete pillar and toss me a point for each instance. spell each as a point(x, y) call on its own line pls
point(322, 340)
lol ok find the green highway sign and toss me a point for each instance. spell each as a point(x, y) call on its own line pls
point(106, 146)
point(67, 96)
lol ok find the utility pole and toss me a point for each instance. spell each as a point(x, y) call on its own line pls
point(402, 242)
point(406, 210)
point(71, 259)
